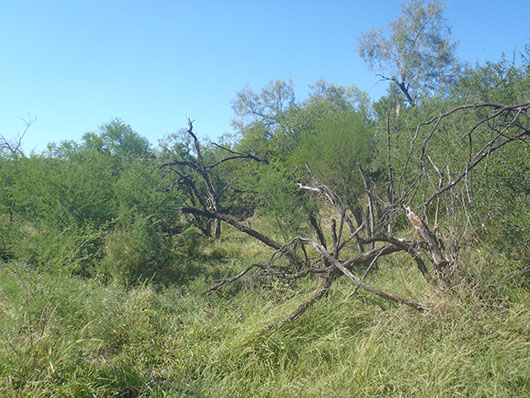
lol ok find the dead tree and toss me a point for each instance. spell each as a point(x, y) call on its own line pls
point(434, 253)
point(209, 201)
point(497, 126)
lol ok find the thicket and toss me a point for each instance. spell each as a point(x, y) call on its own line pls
point(216, 269)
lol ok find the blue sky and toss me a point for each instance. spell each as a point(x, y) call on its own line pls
point(75, 65)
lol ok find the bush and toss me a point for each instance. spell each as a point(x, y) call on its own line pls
point(137, 250)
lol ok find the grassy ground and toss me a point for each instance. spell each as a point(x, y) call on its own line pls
point(62, 336)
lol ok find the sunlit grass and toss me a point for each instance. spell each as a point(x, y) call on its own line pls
point(69, 337)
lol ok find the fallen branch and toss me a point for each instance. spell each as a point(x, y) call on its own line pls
point(322, 291)
point(247, 230)
point(225, 282)
point(341, 266)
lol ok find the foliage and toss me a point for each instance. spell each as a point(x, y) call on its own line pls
point(283, 202)
point(137, 250)
point(502, 81)
point(54, 209)
point(118, 139)
point(335, 98)
point(268, 107)
point(501, 186)
point(58, 207)
point(418, 55)
point(333, 148)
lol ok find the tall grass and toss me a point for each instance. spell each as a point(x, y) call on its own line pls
point(69, 337)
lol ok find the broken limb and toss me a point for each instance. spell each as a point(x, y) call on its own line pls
point(341, 266)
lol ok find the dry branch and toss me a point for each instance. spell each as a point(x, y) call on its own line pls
point(247, 230)
point(211, 201)
point(321, 292)
point(346, 271)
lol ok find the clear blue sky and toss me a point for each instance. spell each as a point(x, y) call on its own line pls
point(75, 65)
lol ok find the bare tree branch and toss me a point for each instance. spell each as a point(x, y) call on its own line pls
point(15, 146)
point(344, 269)
point(247, 230)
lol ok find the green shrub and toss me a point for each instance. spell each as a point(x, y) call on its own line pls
point(137, 250)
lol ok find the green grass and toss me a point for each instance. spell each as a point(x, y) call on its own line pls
point(62, 336)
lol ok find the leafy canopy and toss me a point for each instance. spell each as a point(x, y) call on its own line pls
point(418, 55)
